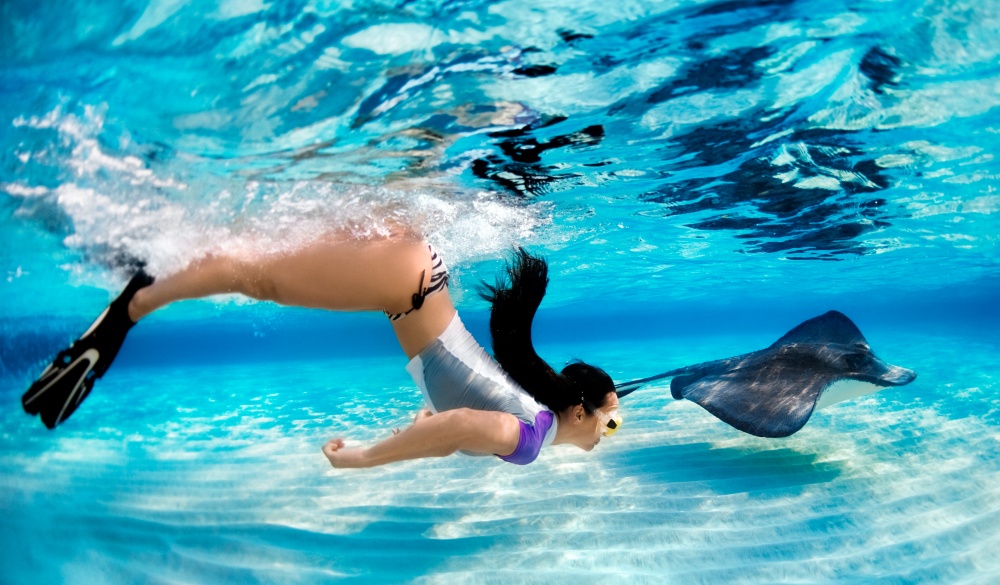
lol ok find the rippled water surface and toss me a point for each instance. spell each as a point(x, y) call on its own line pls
point(701, 177)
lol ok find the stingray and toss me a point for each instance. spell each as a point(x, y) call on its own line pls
point(773, 392)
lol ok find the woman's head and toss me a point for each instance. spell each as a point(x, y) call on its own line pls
point(592, 405)
point(587, 385)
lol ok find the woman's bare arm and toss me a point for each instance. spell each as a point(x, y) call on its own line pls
point(442, 434)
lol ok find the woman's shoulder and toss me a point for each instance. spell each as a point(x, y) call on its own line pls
point(532, 438)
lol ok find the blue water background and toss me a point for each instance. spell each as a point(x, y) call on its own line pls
point(701, 176)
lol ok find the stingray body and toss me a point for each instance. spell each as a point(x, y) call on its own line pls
point(773, 392)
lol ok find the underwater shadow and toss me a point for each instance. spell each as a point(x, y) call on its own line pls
point(384, 551)
point(730, 470)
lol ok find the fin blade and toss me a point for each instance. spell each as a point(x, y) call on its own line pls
point(61, 397)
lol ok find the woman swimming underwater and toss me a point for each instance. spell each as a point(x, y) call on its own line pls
point(510, 407)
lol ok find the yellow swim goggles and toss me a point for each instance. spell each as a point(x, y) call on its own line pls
point(611, 421)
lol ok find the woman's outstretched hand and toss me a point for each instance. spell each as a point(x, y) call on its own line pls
point(478, 431)
point(339, 456)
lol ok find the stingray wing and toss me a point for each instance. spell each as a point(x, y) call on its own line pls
point(766, 393)
point(832, 327)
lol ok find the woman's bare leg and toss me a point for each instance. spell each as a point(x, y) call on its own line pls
point(335, 273)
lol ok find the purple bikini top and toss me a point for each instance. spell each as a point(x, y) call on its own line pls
point(530, 441)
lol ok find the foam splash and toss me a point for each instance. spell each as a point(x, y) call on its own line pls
point(120, 208)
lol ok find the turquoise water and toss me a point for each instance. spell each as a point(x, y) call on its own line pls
point(701, 176)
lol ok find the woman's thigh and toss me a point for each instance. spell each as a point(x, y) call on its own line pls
point(343, 274)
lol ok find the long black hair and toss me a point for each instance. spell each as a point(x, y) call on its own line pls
point(515, 298)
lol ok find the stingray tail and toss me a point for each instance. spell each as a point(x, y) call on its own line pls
point(626, 388)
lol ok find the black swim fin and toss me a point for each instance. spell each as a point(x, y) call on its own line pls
point(69, 379)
